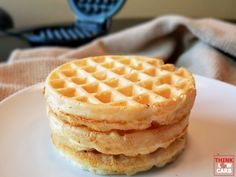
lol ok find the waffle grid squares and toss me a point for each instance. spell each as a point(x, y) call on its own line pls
point(118, 81)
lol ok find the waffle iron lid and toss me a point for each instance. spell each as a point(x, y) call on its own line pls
point(95, 10)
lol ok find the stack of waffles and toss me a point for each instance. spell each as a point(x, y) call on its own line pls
point(119, 114)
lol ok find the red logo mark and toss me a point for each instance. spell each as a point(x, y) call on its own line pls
point(223, 165)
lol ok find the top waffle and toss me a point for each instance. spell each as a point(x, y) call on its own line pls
point(119, 89)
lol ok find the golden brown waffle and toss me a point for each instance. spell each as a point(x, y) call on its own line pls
point(120, 92)
point(119, 114)
point(103, 164)
point(129, 143)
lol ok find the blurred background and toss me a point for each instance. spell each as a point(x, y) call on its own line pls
point(31, 14)
point(34, 12)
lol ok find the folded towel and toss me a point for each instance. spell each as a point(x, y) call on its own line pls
point(205, 46)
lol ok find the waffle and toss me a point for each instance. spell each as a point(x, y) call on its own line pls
point(120, 92)
point(118, 142)
point(119, 114)
point(103, 164)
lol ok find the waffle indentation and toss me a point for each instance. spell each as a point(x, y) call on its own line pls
point(69, 73)
point(90, 69)
point(148, 84)
point(150, 71)
point(104, 97)
point(134, 77)
point(165, 79)
point(164, 92)
point(142, 99)
point(68, 92)
point(100, 75)
point(57, 83)
point(127, 91)
point(79, 80)
point(112, 82)
point(120, 70)
point(91, 88)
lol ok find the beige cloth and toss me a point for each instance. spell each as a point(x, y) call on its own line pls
point(204, 46)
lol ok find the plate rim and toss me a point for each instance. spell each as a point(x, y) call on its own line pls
point(34, 86)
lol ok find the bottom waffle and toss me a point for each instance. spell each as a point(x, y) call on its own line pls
point(104, 164)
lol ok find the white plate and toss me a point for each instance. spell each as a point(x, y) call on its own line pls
point(26, 150)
